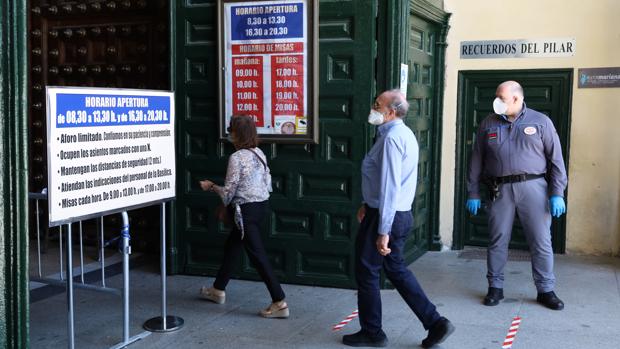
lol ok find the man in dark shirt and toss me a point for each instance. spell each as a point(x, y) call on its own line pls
point(517, 152)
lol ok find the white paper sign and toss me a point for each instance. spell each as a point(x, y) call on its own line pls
point(108, 150)
point(404, 76)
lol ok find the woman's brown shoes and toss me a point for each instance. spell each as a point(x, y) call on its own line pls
point(276, 310)
point(213, 294)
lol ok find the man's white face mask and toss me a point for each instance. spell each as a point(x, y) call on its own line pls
point(375, 117)
point(499, 107)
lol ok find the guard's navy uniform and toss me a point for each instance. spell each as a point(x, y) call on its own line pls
point(520, 154)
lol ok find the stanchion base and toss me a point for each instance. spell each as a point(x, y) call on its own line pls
point(131, 340)
point(156, 324)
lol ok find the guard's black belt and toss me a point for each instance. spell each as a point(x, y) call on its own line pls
point(518, 178)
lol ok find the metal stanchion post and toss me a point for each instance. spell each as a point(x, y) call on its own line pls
point(60, 245)
point(126, 250)
point(36, 197)
point(81, 255)
point(102, 255)
point(36, 203)
point(165, 322)
point(126, 253)
point(71, 331)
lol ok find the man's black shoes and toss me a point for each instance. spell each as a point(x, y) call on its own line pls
point(550, 300)
point(494, 296)
point(365, 339)
point(441, 330)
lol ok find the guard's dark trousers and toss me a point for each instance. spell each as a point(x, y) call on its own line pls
point(368, 264)
point(253, 215)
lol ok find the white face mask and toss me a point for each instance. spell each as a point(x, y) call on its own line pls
point(499, 107)
point(375, 117)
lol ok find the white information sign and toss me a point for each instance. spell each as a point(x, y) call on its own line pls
point(404, 78)
point(520, 48)
point(108, 150)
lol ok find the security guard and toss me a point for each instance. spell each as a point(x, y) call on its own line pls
point(517, 153)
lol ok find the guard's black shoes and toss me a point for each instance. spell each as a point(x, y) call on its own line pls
point(494, 296)
point(365, 339)
point(550, 300)
point(441, 330)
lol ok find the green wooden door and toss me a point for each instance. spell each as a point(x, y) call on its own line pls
point(547, 91)
point(422, 119)
point(14, 298)
point(310, 229)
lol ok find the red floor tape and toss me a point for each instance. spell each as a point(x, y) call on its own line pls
point(346, 320)
point(512, 333)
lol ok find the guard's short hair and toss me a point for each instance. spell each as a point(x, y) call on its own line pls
point(515, 87)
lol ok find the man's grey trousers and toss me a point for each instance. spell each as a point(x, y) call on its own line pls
point(528, 199)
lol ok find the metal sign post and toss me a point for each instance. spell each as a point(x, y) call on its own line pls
point(165, 322)
point(70, 325)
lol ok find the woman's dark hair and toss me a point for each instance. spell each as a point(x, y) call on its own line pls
point(245, 131)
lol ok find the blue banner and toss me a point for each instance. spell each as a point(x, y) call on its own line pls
point(86, 110)
point(275, 21)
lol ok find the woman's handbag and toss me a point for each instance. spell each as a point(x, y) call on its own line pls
point(223, 214)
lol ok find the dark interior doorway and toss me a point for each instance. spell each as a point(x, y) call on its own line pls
point(119, 44)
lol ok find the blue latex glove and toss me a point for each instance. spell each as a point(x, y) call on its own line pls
point(473, 205)
point(557, 206)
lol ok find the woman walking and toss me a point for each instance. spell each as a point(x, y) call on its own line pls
point(245, 193)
